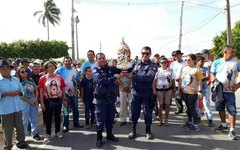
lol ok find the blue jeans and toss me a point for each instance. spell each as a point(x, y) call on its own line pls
point(30, 114)
point(206, 105)
point(73, 101)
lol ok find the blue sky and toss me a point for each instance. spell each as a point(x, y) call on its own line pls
point(142, 22)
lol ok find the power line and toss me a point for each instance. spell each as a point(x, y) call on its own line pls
point(128, 3)
point(193, 5)
point(193, 29)
point(203, 24)
point(235, 5)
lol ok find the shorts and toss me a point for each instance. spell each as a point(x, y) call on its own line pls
point(229, 102)
point(164, 96)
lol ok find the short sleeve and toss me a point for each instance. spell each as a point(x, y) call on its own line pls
point(41, 82)
point(199, 74)
point(63, 85)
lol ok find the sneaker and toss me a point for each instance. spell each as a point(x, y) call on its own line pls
point(59, 135)
point(186, 125)
point(24, 146)
point(47, 138)
point(193, 128)
point(36, 137)
point(210, 123)
point(149, 136)
point(178, 112)
point(122, 124)
point(233, 135)
point(221, 129)
point(65, 129)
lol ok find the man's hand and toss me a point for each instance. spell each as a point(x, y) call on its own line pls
point(14, 93)
point(126, 88)
point(235, 87)
point(65, 103)
point(43, 107)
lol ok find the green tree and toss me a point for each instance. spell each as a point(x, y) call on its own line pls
point(49, 14)
point(34, 49)
point(220, 41)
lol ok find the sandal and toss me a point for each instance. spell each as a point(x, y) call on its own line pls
point(167, 124)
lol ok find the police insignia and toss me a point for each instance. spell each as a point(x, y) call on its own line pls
point(152, 72)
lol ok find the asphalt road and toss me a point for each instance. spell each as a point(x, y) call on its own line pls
point(170, 137)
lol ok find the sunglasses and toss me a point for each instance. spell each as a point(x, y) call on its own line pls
point(164, 62)
point(143, 53)
point(22, 72)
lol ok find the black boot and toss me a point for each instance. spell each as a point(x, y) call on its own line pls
point(110, 136)
point(99, 139)
point(148, 133)
point(133, 134)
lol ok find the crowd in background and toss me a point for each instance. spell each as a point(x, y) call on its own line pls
point(59, 87)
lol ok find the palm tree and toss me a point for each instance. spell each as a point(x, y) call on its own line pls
point(49, 14)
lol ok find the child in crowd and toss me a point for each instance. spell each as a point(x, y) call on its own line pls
point(87, 97)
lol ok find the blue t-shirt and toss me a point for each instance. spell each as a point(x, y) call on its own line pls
point(88, 64)
point(205, 72)
point(87, 85)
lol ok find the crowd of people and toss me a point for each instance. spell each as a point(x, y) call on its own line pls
point(150, 85)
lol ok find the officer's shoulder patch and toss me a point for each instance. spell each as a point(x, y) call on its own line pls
point(152, 72)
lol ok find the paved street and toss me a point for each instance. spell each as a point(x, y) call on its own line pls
point(171, 137)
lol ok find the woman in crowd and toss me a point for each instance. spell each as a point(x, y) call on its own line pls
point(51, 98)
point(164, 87)
point(29, 102)
point(191, 86)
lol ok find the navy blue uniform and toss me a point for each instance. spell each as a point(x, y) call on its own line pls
point(104, 96)
point(142, 84)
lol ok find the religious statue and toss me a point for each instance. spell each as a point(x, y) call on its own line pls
point(124, 56)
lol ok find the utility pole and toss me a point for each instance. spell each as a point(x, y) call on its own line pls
point(180, 33)
point(72, 27)
point(100, 46)
point(229, 29)
point(77, 21)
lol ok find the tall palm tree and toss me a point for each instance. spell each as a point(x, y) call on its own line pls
point(49, 14)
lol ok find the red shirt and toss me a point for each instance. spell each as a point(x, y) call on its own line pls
point(52, 86)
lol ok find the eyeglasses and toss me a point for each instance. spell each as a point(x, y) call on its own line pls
point(22, 72)
point(143, 53)
point(164, 62)
point(188, 60)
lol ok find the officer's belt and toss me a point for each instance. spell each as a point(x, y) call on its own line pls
point(167, 89)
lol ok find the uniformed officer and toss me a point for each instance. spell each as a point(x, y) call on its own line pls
point(104, 97)
point(142, 91)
